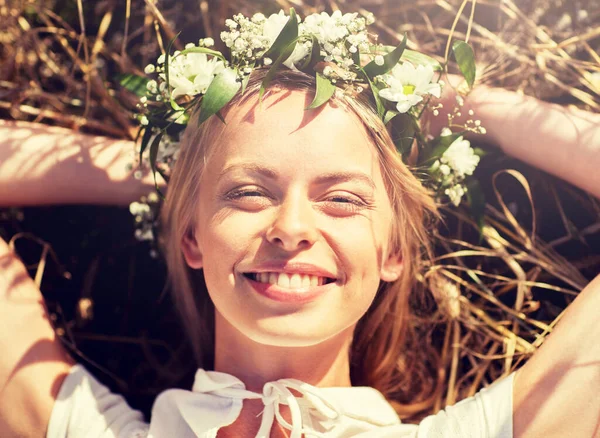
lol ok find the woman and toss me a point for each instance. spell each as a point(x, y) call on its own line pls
point(293, 198)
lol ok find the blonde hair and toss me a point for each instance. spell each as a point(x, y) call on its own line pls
point(384, 352)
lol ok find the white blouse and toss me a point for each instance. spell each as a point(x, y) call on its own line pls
point(87, 409)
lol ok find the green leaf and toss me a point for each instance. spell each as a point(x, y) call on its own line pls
point(134, 83)
point(480, 152)
point(418, 58)
point(403, 131)
point(154, 150)
point(167, 57)
point(145, 140)
point(389, 115)
point(314, 56)
point(325, 90)
point(245, 81)
point(288, 34)
point(389, 61)
point(463, 53)
point(375, 91)
point(221, 90)
point(476, 199)
point(285, 54)
point(154, 155)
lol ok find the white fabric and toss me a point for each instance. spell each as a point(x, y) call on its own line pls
point(87, 409)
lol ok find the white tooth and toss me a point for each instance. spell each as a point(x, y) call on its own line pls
point(305, 281)
point(283, 280)
point(314, 280)
point(272, 278)
point(261, 277)
point(296, 281)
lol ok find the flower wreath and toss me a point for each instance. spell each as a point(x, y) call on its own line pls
point(338, 51)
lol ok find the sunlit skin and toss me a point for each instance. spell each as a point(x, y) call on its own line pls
point(284, 187)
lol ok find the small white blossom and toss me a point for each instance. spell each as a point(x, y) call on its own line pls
point(192, 73)
point(379, 60)
point(460, 157)
point(407, 85)
point(150, 68)
point(145, 234)
point(258, 18)
point(267, 61)
point(190, 45)
point(138, 208)
point(161, 59)
point(144, 121)
point(152, 86)
point(455, 193)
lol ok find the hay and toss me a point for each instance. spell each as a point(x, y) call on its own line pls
point(498, 294)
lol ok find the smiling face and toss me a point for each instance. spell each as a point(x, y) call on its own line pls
point(293, 222)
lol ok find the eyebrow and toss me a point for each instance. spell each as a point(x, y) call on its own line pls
point(249, 167)
point(327, 178)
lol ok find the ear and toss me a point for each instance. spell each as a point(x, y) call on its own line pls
point(191, 250)
point(391, 268)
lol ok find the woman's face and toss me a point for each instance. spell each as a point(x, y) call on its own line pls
point(293, 222)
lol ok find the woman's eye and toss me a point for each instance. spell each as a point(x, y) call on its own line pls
point(244, 193)
point(248, 197)
point(344, 204)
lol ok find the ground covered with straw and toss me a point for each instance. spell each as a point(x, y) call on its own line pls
point(497, 294)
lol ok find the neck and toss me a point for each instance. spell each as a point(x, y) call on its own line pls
point(325, 364)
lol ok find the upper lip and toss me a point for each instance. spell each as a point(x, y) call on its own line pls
point(291, 268)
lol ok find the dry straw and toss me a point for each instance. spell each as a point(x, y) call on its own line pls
point(498, 294)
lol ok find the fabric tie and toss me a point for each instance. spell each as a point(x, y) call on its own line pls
point(278, 393)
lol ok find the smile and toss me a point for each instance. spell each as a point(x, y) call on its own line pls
point(290, 287)
point(289, 281)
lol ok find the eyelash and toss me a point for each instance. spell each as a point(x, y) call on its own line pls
point(241, 193)
point(351, 204)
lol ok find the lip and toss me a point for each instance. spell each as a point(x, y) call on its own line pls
point(283, 295)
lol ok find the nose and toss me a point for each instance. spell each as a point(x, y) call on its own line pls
point(293, 226)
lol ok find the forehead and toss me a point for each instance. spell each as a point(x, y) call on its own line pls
point(279, 131)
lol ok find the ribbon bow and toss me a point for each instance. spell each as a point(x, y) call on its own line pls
point(278, 393)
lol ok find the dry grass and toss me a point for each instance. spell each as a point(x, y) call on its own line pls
point(501, 294)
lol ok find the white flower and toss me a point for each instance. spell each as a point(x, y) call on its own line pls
point(150, 68)
point(328, 29)
point(152, 86)
point(460, 157)
point(455, 193)
point(192, 73)
point(139, 209)
point(407, 85)
point(271, 30)
point(379, 60)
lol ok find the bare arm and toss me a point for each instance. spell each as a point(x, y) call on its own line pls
point(40, 164)
point(32, 364)
point(562, 141)
point(556, 392)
